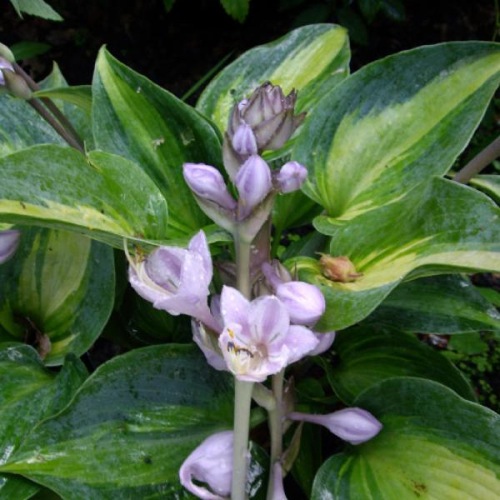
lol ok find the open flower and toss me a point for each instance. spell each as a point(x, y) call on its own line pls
point(258, 339)
point(353, 425)
point(9, 241)
point(211, 464)
point(176, 280)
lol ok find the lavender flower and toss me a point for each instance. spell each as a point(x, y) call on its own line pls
point(258, 339)
point(290, 177)
point(305, 302)
point(210, 463)
point(353, 425)
point(176, 280)
point(9, 241)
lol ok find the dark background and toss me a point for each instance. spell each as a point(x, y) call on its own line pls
point(176, 48)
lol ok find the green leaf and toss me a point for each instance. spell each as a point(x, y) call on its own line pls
point(104, 196)
point(58, 288)
point(237, 9)
point(490, 184)
point(394, 124)
point(136, 119)
point(434, 444)
point(80, 95)
point(311, 59)
point(369, 356)
point(29, 393)
point(25, 50)
point(21, 126)
point(441, 304)
point(446, 228)
point(130, 427)
point(37, 8)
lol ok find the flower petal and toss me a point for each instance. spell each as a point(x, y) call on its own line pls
point(234, 306)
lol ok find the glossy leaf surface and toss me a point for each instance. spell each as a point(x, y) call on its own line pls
point(434, 444)
point(56, 293)
point(102, 195)
point(138, 120)
point(368, 356)
point(394, 124)
point(445, 228)
point(130, 427)
point(311, 59)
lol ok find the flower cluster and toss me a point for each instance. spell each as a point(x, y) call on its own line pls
point(258, 330)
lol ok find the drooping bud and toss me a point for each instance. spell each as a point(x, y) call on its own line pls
point(9, 241)
point(291, 177)
point(353, 425)
point(338, 268)
point(207, 182)
point(6, 53)
point(16, 84)
point(211, 464)
point(253, 183)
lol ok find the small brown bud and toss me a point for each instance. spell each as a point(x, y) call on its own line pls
point(338, 268)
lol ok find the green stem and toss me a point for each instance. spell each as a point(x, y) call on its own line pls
point(276, 428)
point(242, 390)
point(242, 402)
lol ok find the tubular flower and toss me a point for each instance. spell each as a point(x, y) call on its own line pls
point(258, 339)
point(353, 425)
point(176, 280)
point(211, 464)
point(9, 241)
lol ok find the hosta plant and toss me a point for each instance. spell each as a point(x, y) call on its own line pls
point(261, 264)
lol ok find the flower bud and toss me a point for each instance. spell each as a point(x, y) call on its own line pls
point(269, 114)
point(278, 488)
point(6, 54)
point(291, 177)
point(353, 425)
point(16, 84)
point(253, 183)
point(325, 342)
point(212, 465)
point(207, 182)
point(9, 241)
point(338, 268)
point(304, 302)
point(244, 142)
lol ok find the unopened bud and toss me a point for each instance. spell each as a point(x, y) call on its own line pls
point(291, 177)
point(353, 425)
point(253, 183)
point(304, 302)
point(16, 84)
point(338, 268)
point(244, 142)
point(4, 64)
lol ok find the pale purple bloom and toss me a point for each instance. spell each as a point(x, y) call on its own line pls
point(176, 280)
point(353, 425)
point(207, 183)
point(305, 302)
point(211, 463)
point(258, 339)
point(253, 183)
point(4, 64)
point(244, 141)
point(9, 241)
point(291, 177)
